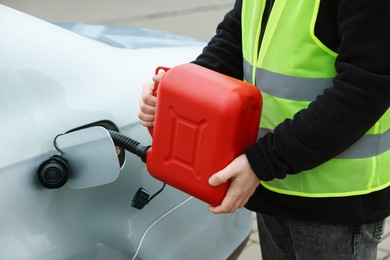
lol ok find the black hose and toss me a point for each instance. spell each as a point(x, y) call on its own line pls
point(129, 144)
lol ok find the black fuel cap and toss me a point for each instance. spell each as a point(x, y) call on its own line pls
point(54, 172)
point(141, 198)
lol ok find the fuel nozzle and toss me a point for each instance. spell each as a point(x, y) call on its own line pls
point(142, 196)
point(130, 145)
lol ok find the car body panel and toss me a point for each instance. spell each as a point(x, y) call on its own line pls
point(53, 80)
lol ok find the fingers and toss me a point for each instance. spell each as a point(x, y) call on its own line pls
point(233, 200)
point(229, 205)
point(219, 178)
point(147, 104)
point(156, 78)
point(243, 184)
point(146, 120)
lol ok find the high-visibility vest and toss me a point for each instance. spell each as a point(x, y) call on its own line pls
point(291, 68)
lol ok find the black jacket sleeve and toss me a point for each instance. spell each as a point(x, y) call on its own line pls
point(224, 52)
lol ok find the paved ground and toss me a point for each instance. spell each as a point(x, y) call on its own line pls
point(196, 19)
point(384, 246)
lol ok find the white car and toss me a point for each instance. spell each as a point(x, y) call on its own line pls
point(53, 81)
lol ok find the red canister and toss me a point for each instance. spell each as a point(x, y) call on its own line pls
point(203, 120)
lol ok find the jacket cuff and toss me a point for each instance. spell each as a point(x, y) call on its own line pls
point(258, 162)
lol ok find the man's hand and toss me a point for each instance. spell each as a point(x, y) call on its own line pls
point(243, 184)
point(147, 104)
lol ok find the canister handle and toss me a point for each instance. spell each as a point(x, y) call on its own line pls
point(150, 129)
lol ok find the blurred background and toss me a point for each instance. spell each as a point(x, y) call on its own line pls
point(197, 19)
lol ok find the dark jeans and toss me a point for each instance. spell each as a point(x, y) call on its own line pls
point(293, 240)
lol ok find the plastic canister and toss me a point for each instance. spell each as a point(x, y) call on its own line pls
point(203, 120)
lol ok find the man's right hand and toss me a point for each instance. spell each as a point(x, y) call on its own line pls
point(147, 104)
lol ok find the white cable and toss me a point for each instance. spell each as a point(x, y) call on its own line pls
point(154, 222)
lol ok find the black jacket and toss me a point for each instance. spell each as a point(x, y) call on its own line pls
point(359, 31)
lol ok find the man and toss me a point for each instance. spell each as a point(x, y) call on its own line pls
point(323, 155)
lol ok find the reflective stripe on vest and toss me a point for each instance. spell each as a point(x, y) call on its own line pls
point(365, 147)
point(291, 69)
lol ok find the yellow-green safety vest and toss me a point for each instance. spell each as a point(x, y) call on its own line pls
point(291, 68)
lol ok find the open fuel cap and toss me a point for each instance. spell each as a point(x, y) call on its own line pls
point(91, 156)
